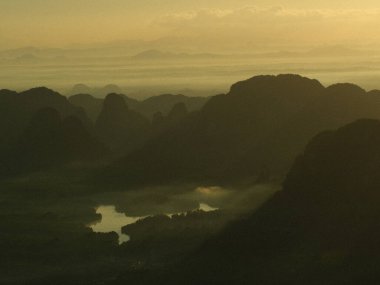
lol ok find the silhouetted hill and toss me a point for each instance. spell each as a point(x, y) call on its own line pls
point(345, 160)
point(131, 102)
point(148, 107)
point(161, 123)
point(99, 92)
point(257, 129)
point(17, 109)
point(118, 126)
point(178, 112)
point(164, 104)
point(90, 104)
point(80, 89)
point(322, 228)
point(110, 88)
point(50, 141)
point(93, 105)
point(284, 85)
point(36, 97)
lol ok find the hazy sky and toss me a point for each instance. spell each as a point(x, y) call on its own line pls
point(61, 23)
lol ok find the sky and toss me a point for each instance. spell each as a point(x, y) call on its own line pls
point(64, 23)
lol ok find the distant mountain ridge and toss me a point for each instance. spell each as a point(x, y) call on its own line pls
point(148, 107)
point(97, 92)
point(154, 54)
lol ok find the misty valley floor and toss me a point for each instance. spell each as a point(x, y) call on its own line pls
point(46, 234)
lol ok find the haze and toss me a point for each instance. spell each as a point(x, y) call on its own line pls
point(253, 23)
point(196, 48)
point(172, 142)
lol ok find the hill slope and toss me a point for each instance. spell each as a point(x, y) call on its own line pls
point(253, 132)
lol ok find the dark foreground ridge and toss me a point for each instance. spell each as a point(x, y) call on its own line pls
point(321, 229)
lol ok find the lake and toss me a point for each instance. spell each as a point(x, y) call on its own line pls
point(113, 221)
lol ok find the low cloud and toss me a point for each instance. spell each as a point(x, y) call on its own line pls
point(276, 25)
point(252, 13)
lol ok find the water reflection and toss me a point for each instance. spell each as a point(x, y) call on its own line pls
point(113, 221)
point(206, 208)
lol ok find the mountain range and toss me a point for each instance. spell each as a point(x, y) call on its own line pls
point(147, 107)
point(321, 228)
point(320, 145)
point(252, 133)
point(112, 126)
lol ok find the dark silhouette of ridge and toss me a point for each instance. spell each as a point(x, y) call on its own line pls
point(322, 228)
point(282, 85)
point(93, 105)
point(178, 112)
point(259, 126)
point(164, 103)
point(81, 89)
point(17, 109)
point(98, 92)
point(118, 126)
point(148, 107)
point(345, 88)
point(90, 104)
point(161, 123)
point(35, 97)
point(110, 88)
point(50, 141)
